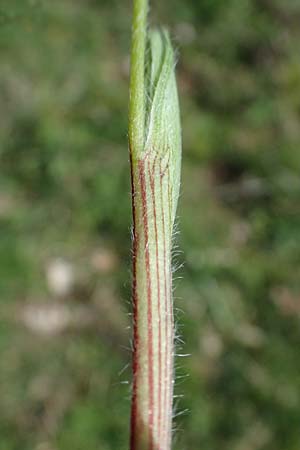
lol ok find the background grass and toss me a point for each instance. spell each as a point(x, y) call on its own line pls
point(65, 219)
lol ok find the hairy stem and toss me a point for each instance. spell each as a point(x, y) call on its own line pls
point(155, 152)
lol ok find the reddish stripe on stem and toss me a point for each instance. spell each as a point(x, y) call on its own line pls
point(166, 301)
point(151, 174)
point(171, 321)
point(149, 295)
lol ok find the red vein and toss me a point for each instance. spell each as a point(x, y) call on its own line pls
point(163, 171)
point(170, 319)
point(149, 295)
point(151, 172)
point(166, 297)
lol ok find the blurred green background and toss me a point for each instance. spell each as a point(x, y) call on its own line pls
point(65, 219)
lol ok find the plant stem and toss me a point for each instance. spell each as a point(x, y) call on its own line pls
point(155, 152)
point(137, 75)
